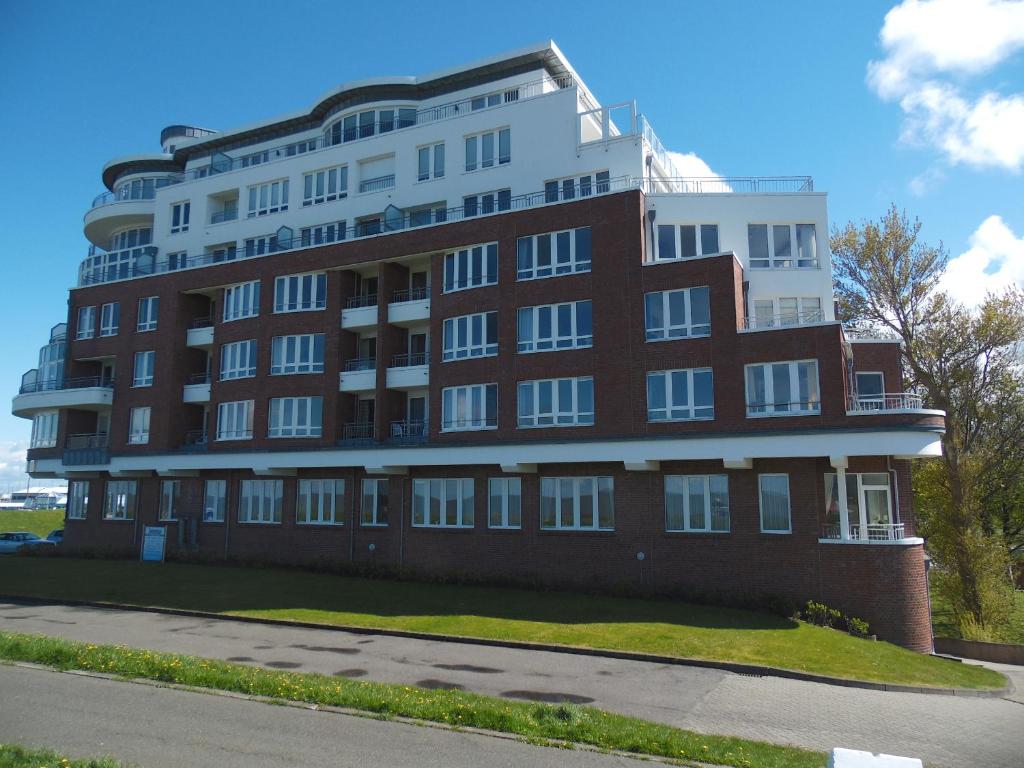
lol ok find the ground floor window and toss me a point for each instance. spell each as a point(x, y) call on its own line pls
point(119, 501)
point(215, 501)
point(374, 509)
point(577, 503)
point(774, 501)
point(442, 503)
point(260, 501)
point(697, 503)
point(320, 502)
point(868, 502)
point(504, 502)
point(170, 497)
point(78, 499)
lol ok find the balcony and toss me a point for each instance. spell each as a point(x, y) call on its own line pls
point(91, 393)
point(783, 320)
point(872, 533)
point(200, 335)
point(378, 184)
point(195, 440)
point(197, 388)
point(103, 220)
point(887, 402)
point(408, 432)
point(359, 312)
point(85, 449)
point(359, 375)
point(219, 217)
point(357, 433)
point(409, 306)
point(409, 372)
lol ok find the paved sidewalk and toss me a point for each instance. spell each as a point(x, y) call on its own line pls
point(942, 730)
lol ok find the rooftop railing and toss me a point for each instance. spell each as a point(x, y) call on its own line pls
point(728, 185)
point(783, 320)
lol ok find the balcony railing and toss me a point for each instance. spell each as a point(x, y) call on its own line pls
point(360, 364)
point(887, 401)
point(58, 384)
point(198, 378)
point(378, 184)
point(410, 294)
point(364, 300)
point(203, 322)
point(87, 441)
point(869, 533)
point(137, 189)
point(408, 431)
point(783, 320)
point(410, 360)
point(728, 184)
point(359, 430)
point(219, 217)
point(196, 440)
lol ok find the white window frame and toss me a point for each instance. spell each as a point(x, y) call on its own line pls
point(484, 203)
point(856, 479)
point(290, 292)
point(769, 408)
point(138, 425)
point(320, 501)
point(268, 197)
point(573, 187)
point(469, 257)
point(78, 499)
point(576, 485)
point(304, 415)
point(423, 496)
point(690, 406)
point(482, 160)
point(794, 261)
point(260, 502)
point(867, 401)
point(215, 501)
point(760, 503)
point(561, 413)
point(238, 360)
point(86, 327)
point(669, 331)
point(110, 319)
point(234, 420)
point(468, 399)
point(467, 336)
point(170, 497)
point(120, 498)
point(297, 354)
point(507, 514)
point(147, 359)
point(677, 248)
point(323, 234)
point(563, 243)
point(556, 341)
point(434, 154)
point(371, 489)
point(241, 300)
point(149, 309)
point(708, 492)
point(181, 212)
point(324, 185)
point(44, 429)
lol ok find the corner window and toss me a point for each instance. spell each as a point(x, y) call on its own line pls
point(442, 503)
point(697, 503)
point(773, 493)
point(44, 429)
point(504, 502)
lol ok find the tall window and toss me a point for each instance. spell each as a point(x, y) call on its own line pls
point(238, 360)
point(430, 162)
point(259, 501)
point(553, 253)
point(374, 508)
point(143, 371)
point(86, 328)
point(170, 498)
point(297, 293)
point(773, 492)
point(556, 402)
point(697, 503)
point(470, 407)
point(149, 307)
point(325, 185)
point(215, 501)
point(686, 241)
point(180, 214)
point(556, 326)
point(296, 417)
point(110, 319)
point(577, 503)
point(867, 494)
point(241, 300)
point(682, 395)
point(782, 246)
point(470, 336)
point(268, 198)
point(44, 429)
point(78, 499)
point(138, 429)
point(486, 202)
point(471, 267)
point(119, 501)
point(446, 503)
point(303, 353)
point(677, 314)
point(504, 502)
point(234, 420)
point(320, 502)
point(783, 389)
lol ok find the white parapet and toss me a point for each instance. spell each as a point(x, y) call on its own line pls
point(854, 758)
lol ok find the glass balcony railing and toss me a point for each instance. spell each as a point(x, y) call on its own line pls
point(136, 189)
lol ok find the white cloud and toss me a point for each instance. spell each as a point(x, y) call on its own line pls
point(925, 182)
point(12, 463)
point(994, 261)
point(927, 44)
point(689, 165)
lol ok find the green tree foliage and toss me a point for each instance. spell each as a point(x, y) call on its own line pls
point(966, 361)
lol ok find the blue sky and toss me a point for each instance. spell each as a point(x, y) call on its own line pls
point(935, 124)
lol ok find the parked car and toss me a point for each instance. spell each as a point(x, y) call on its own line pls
point(57, 537)
point(15, 540)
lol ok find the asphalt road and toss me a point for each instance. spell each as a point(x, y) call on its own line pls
point(942, 730)
point(165, 728)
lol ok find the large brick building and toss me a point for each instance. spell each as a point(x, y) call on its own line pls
point(477, 323)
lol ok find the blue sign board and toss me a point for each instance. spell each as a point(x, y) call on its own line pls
point(154, 543)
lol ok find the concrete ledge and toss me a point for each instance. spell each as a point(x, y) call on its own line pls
point(741, 669)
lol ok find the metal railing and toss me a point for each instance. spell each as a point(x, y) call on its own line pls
point(362, 300)
point(886, 401)
point(360, 364)
point(51, 385)
point(359, 430)
point(136, 189)
point(868, 533)
point(410, 294)
point(870, 333)
point(408, 430)
point(728, 184)
point(377, 184)
point(219, 217)
point(197, 378)
point(410, 360)
point(87, 440)
point(203, 322)
point(783, 319)
point(196, 438)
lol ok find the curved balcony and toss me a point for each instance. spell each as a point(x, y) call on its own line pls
point(91, 393)
point(111, 215)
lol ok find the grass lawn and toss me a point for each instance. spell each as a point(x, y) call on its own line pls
point(39, 521)
point(945, 626)
point(629, 624)
point(14, 756)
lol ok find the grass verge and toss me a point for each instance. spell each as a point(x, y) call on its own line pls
point(664, 627)
point(565, 722)
point(38, 521)
point(14, 756)
point(946, 626)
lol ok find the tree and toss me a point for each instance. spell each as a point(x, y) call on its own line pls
point(967, 363)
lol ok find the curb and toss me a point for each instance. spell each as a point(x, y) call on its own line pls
point(736, 668)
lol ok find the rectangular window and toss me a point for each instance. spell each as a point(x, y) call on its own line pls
point(143, 371)
point(298, 293)
point(504, 502)
point(697, 503)
point(149, 307)
point(577, 504)
point(170, 497)
point(119, 501)
point(555, 326)
point(296, 417)
point(320, 502)
point(485, 150)
point(869, 390)
point(110, 319)
point(215, 499)
point(782, 389)
point(576, 186)
point(442, 503)
point(374, 508)
point(867, 493)
point(486, 202)
point(470, 407)
point(556, 402)
point(44, 429)
point(238, 360)
point(430, 162)
point(268, 198)
point(680, 395)
point(86, 323)
point(470, 336)
point(471, 267)
point(322, 234)
point(241, 300)
point(78, 499)
point(234, 420)
point(257, 246)
point(774, 501)
point(553, 253)
point(303, 353)
point(180, 214)
point(138, 429)
point(686, 241)
point(678, 314)
point(786, 310)
point(325, 185)
point(259, 501)
point(782, 246)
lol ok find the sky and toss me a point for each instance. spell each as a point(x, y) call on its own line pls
point(919, 103)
